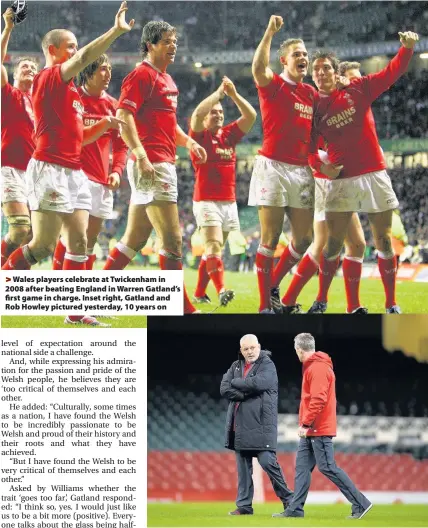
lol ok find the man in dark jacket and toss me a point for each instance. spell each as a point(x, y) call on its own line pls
point(251, 386)
point(317, 426)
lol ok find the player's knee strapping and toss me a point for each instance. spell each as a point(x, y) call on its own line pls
point(18, 220)
point(19, 228)
point(169, 254)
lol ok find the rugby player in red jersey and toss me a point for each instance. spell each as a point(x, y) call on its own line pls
point(93, 82)
point(354, 240)
point(357, 166)
point(282, 182)
point(148, 105)
point(17, 144)
point(214, 199)
point(58, 189)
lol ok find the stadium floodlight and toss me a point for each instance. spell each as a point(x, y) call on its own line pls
point(198, 64)
point(19, 8)
point(424, 55)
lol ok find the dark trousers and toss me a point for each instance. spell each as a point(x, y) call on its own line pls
point(318, 450)
point(269, 462)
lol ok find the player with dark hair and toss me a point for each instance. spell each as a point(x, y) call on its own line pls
point(17, 145)
point(58, 189)
point(350, 70)
point(214, 198)
point(359, 181)
point(354, 240)
point(282, 181)
point(93, 83)
point(148, 105)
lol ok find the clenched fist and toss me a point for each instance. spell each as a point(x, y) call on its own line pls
point(275, 24)
point(8, 18)
point(408, 39)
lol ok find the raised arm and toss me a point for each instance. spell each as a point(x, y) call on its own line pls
point(203, 108)
point(97, 47)
point(265, 379)
point(380, 82)
point(261, 72)
point(248, 113)
point(5, 36)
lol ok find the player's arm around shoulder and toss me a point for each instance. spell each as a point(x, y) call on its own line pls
point(262, 74)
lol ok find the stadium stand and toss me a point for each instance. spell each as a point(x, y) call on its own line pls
point(195, 476)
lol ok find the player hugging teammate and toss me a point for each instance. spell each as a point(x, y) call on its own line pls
point(351, 177)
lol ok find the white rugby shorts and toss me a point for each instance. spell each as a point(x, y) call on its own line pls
point(162, 187)
point(102, 200)
point(280, 184)
point(217, 214)
point(368, 193)
point(52, 187)
point(321, 188)
point(13, 185)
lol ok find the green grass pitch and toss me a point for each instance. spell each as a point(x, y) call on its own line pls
point(216, 514)
point(411, 296)
point(52, 321)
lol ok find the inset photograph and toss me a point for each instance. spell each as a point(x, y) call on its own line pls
point(311, 421)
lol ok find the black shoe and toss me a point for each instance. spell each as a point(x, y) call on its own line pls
point(318, 307)
point(241, 511)
point(275, 301)
point(360, 311)
point(288, 513)
point(360, 514)
point(202, 300)
point(226, 296)
point(293, 309)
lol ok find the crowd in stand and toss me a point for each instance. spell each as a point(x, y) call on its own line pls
point(400, 112)
point(229, 25)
